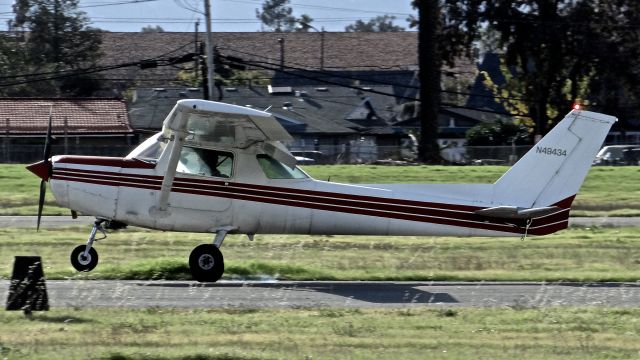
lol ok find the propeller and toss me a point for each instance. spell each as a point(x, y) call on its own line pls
point(44, 168)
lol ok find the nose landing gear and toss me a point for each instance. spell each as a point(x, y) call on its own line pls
point(85, 257)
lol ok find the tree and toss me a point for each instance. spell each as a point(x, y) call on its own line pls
point(278, 16)
point(382, 23)
point(59, 39)
point(499, 133)
point(440, 42)
point(561, 49)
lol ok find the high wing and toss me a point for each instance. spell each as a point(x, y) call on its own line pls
point(223, 124)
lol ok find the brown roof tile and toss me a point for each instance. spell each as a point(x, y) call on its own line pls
point(22, 116)
point(353, 51)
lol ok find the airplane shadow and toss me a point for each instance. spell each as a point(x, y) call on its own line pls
point(384, 293)
point(372, 292)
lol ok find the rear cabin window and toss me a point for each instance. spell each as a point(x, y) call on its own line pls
point(274, 169)
point(205, 162)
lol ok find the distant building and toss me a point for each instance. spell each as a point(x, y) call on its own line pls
point(352, 124)
point(90, 126)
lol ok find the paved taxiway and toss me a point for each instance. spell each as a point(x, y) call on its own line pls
point(138, 294)
point(302, 294)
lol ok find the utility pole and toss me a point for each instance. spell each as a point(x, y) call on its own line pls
point(281, 42)
point(429, 15)
point(205, 77)
point(209, 48)
point(196, 63)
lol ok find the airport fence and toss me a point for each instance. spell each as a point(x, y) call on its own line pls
point(25, 154)
point(368, 154)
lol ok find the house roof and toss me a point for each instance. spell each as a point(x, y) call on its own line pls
point(26, 116)
point(300, 109)
point(341, 50)
point(380, 52)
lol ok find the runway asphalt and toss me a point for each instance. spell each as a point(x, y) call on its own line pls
point(301, 294)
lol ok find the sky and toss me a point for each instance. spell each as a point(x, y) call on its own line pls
point(227, 15)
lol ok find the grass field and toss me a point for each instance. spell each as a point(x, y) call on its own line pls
point(576, 254)
point(592, 254)
point(420, 333)
point(608, 191)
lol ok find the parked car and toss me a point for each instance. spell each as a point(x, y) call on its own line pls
point(301, 160)
point(309, 156)
point(618, 155)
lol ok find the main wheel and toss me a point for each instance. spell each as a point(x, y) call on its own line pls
point(81, 262)
point(206, 263)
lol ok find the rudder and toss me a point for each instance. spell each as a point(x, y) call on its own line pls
point(554, 169)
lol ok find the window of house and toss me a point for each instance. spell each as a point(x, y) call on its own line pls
point(274, 169)
point(205, 162)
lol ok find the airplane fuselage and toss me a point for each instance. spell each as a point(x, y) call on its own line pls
point(251, 203)
point(220, 168)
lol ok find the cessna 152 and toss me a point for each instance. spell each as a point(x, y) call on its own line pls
point(220, 169)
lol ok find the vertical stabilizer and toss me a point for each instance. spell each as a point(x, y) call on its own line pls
point(554, 169)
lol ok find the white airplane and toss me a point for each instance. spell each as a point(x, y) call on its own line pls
point(219, 168)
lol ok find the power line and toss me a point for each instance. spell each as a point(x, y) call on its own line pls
point(61, 74)
point(321, 7)
point(368, 90)
point(116, 3)
point(381, 82)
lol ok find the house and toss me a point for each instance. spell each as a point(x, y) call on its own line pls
point(345, 124)
point(88, 126)
point(329, 51)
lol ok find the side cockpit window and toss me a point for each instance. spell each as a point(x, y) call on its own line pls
point(205, 162)
point(274, 169)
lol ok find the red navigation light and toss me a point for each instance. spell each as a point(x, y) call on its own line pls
point(576, 106)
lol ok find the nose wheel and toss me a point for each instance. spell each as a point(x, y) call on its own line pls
point(82, 262)
point(85, 257)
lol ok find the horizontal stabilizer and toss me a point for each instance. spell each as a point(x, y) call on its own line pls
point(513, 212)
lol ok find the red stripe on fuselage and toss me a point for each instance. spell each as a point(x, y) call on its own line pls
point(402, 209)
point(105, 161)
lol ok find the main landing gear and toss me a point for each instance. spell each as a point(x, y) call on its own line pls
point(205, 262)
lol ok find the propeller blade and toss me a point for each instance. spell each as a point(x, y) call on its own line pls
point(47, 141)
point(43, 192)
point(49, 169)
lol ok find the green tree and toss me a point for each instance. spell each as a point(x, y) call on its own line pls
point(276, 14)
point(561, 50)
point(59, 39)
point(382, 23)
point(499, 133)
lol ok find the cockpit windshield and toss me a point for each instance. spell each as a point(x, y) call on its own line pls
point(151, 149)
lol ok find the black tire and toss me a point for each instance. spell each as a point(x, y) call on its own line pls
point(81, 263)
point(206, 263)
